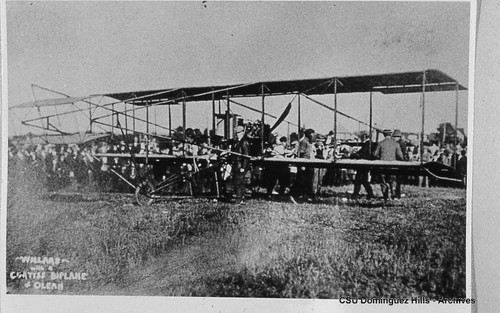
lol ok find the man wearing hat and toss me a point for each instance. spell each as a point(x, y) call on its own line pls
point(388, 150)
point(402, 143)
point(362, 175)
point(241, 164)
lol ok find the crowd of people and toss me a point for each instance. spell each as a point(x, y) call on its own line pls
point(76, 164)
point(62, 165)
point(394, 147)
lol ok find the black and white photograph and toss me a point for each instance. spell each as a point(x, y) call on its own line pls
point(269, 150)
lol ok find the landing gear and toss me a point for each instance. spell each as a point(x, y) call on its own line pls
point(145, 193)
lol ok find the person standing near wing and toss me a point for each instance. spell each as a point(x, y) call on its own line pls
point(402, 144)
point(388, 150)
point(306, 147)
point(278, 172)
point(241, 164)
point(362, 175)
point(306, 182)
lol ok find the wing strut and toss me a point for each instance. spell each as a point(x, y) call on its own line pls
point(341, 113)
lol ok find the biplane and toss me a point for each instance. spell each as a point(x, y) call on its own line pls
point(122, 112)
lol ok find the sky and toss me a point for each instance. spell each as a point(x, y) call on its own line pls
point(84, 48)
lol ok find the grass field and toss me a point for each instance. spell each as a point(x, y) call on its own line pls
point(197, 247)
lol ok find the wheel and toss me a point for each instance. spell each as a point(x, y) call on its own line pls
point(144, 193)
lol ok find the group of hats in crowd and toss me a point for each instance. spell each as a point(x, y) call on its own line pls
point(389, 132)
point(386, 132)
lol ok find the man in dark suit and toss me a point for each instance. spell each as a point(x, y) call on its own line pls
point(362, 175)
point(462, 166)
point(241, 164)
point(388, 150)
point(402, 144)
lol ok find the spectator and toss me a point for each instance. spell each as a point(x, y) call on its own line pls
point(294, 144)
point(433, 149)
point(388, 150)
point(307, 181)
point(402, 144)
point(362, 175)
point(241, 164)
point(462, 166)
point(278, 173)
